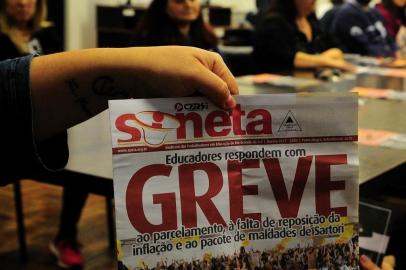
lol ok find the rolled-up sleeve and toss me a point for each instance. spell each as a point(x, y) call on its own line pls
point(21, 155)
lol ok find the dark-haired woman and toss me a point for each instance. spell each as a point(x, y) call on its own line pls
point(175, 22)
point(291, 37)
point(394, 16)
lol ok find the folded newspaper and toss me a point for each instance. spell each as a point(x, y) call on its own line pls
point(272, 184)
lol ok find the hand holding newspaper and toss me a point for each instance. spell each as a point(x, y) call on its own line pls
point(271, 184)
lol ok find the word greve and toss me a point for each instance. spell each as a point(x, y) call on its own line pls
point(288, 202)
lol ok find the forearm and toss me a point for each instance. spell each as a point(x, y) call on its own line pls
point(304, 60)
point(74, 86)
point(333, 53)
point(71, 87)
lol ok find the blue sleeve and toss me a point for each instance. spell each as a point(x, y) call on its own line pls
point(354, 31)
point(21, 155)
point(393, 47)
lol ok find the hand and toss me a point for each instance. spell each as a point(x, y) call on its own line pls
point(367, 264)
point(181, 71)
point(326, 60)
point(340, 64)
point(333, 53)
point(396, 63)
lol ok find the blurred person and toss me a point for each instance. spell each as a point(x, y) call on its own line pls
point(175, 22)
point(393, 14)
point(262, 10)
point(291, 37)
point(360, 30)
point(394, 18)
point(401, 41)
point(24, 30)
point(327, 19)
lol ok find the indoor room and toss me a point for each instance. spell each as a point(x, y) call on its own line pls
point(203, 134)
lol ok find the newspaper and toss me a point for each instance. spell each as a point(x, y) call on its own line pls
point(271, 184)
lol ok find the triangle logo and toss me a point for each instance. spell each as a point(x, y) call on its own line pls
point(289, 123)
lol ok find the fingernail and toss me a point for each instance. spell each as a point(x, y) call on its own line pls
point(230, 102)
point(363, 259)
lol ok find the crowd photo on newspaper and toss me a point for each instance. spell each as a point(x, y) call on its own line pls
point(331, 256)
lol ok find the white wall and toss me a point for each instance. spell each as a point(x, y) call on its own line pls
point(322, 6)
point(80, 22)
point(238, 5)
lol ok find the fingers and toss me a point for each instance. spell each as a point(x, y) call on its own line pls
point(367, 264)
point(220, 68)
point(350, 68)
point(215, 88)
point(216, 81)
point(334, 53)
point(345, 66)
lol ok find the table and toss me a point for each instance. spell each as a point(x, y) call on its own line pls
point(374, 114)
point(384, 115)
point(299, 82)
point(385, 78)
point(90, 160)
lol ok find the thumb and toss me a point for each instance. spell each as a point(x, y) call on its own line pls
point(215, 80)
point(220, 69)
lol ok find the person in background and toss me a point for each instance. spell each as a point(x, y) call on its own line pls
point(401, 41)
point(360, 30)
point(175, 22)
point(291, 37)
point(25, 30)
point(327, 19)
point(393, 14)
point(262, 10)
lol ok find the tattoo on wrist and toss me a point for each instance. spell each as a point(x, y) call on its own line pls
point(101, 86)
point(83, 101)
point(104, 86)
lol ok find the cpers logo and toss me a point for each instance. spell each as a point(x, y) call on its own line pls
point(154, 127)
point(192, 106)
